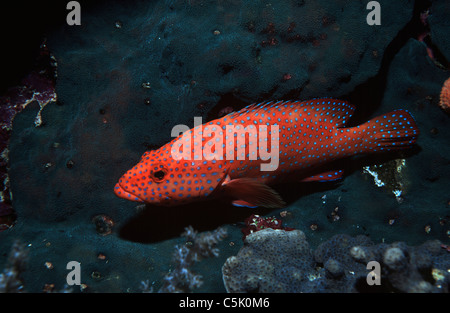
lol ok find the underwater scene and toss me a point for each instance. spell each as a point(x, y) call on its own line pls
point(226, 146)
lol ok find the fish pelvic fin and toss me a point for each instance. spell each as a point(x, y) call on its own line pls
point(252, 193)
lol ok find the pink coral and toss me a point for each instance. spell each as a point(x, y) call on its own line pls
point(445, 96)
point(255, 223)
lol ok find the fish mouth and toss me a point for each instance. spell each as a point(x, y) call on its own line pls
point(122, 193)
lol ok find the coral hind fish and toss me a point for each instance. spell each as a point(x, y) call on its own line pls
point(308, 135)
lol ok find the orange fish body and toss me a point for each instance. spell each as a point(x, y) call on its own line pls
point(231, 155)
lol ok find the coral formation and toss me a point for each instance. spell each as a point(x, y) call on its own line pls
point(255, 223)
point(408, 269)
point(103, 224)
point(390, 176)
point(271, 260)
point(281, 261)
point(198, 246)
point(444, 100)
point(11, 278)
point(39, 86)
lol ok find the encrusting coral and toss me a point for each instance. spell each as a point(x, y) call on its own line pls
point(281, 261)
point(10, 279)
point(271, 260)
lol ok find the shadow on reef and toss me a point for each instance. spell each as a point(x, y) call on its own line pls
point(155, 223)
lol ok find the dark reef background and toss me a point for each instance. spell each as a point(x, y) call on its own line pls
point(134, 69)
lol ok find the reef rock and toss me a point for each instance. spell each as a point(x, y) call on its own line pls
point(281, 261)
point(439, 25)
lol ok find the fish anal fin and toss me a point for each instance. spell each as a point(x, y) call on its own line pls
point(252, 193)
point(242, 203)
point(325, 177)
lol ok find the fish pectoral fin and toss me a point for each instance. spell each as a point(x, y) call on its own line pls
point(252, 193)
point(324, 177)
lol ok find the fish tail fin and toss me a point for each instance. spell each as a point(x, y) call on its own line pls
point(393, 131)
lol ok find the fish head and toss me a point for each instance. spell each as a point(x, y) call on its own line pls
point(160, 180)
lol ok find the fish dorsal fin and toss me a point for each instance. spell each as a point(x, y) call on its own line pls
point(324, 110)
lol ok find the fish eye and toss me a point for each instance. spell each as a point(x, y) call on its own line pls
point(159, 175)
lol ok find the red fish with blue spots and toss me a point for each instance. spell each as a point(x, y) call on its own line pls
point(308, 136)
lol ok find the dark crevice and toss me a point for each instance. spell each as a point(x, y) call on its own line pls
point(226, 68)
point(439, 58)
